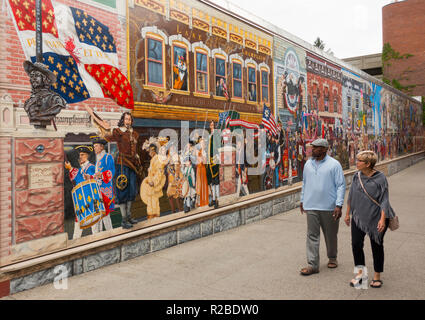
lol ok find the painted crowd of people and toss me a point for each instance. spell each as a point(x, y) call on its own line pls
point(190, 177)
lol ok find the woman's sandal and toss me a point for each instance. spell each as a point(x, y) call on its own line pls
point(356, 281)
point(376, 281)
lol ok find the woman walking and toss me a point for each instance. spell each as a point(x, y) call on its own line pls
point(370, 210)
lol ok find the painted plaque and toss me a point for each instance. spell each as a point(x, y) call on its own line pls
point(40, 176)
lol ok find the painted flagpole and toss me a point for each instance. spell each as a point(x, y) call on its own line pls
point(38, 32)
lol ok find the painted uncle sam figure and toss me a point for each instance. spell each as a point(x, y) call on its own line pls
point(104, 173)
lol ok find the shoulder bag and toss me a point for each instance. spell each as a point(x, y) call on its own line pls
point(394, 223)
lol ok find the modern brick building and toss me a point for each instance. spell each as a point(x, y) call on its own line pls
point(403, 27)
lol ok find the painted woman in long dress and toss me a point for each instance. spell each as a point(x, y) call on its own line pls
point(201, 175)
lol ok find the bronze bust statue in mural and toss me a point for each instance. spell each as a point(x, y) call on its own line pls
point(43, 104)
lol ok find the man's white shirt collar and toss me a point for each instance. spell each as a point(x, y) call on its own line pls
point(124, 129)
point(85, 165)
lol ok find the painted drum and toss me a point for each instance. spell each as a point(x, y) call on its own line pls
point(88, 203)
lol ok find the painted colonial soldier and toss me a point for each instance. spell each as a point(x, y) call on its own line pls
point(104, 173)
point(213, 166)
point(85, 172)
point(127, 165)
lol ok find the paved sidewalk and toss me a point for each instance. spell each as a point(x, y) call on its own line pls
point(262, 261)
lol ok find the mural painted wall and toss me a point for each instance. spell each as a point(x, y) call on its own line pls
point(290, 101)
point(188, 61)
point(324, 104)
point(352, 102)
point(354, 115)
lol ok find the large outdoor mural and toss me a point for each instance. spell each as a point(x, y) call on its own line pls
point(202, 72)
point(291, 108)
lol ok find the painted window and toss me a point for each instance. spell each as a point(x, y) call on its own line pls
point(201, 72)
point(335, 101)
point(252, 84)
point(315, 96)
point(237, 80)
point(326, 99)
point(220, 77)
point(265, 86)
point(155, 62)
point(180, 73)
point(109, 3)
point(349, 101)
point(357, 104)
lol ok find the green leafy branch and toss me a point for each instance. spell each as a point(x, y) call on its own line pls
point(388, 54)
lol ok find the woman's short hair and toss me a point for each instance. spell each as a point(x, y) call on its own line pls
point(368, 156)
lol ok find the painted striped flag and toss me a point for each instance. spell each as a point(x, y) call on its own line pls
point(77, 48)
point(269, 121)
point(243, 123)
point(226, 93)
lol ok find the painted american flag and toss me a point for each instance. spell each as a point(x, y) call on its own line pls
point(226, 93)
point(77, 48)
point(269, 121)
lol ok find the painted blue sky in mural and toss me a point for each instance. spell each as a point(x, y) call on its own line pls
point(349, 28)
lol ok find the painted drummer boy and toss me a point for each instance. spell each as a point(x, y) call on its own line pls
point(79, 175)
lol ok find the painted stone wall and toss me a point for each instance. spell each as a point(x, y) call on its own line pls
point(39, 201)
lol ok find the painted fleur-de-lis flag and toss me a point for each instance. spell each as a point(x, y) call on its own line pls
point(79, 49)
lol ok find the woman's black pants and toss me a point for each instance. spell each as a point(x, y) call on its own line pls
point(357, 242)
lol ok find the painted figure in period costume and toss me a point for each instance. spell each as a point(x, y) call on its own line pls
point(126, 167)
point(241, 169)
point(277, 156)
point(151, 188)
point(180, 74)
point(43, 104)
point(201, 174)
point(188, 187)
point(213, 166)
point(85, 172)
point(175, 180)
point(105, 171)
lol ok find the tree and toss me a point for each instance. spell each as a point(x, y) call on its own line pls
point(390, 55)
point(318, 43)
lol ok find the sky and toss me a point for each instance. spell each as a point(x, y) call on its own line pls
point(349, 28)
